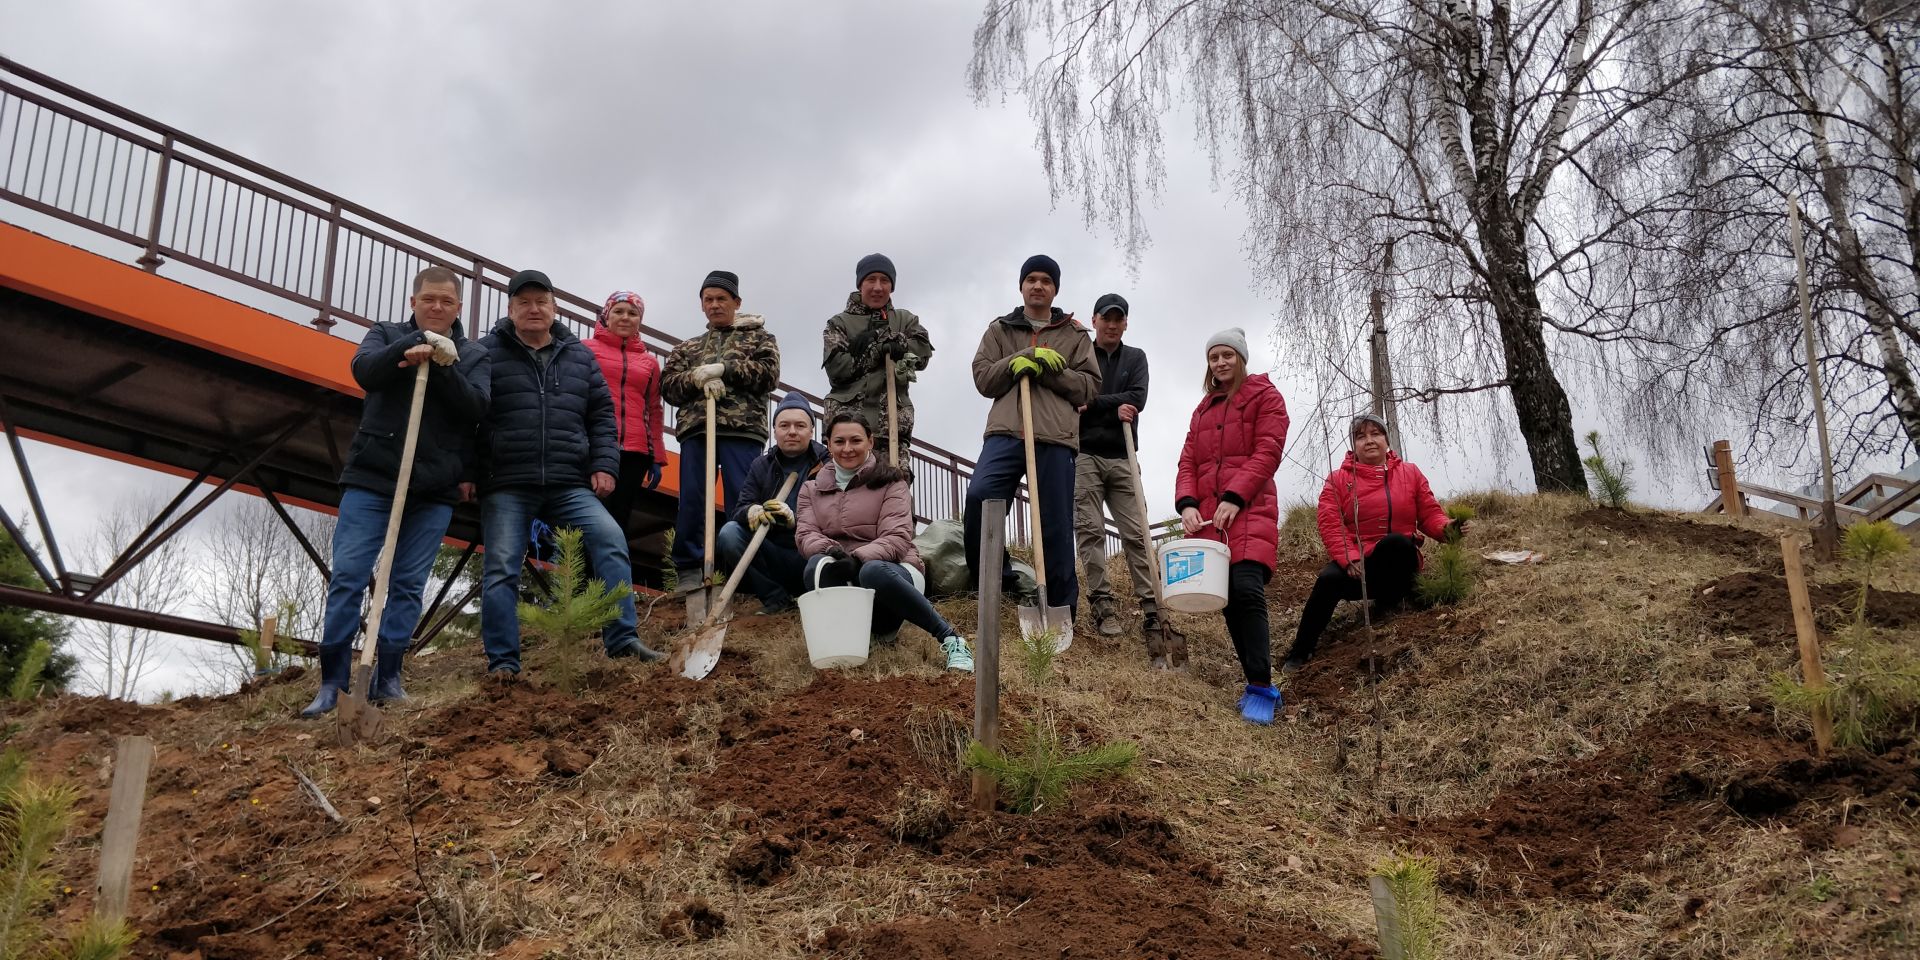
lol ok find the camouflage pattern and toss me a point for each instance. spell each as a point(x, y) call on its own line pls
point(856, 362)
point(752, 358)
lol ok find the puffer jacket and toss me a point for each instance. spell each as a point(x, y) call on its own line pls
point(443, 456)
point(551, 427)
point(1232, 452)
point(633, 377)
point(1057, 397)
point(870, 523)
point(763, 482)
point(853, 343)
point(1123, 380)
point(751, 356)
point(1391, 498)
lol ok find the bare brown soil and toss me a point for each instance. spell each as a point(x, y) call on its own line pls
point(1757, 606)
point(1746, 546)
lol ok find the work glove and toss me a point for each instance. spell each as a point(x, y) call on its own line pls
point(778, 512)
point(756, 517)
point(835, 553)
point(708, 373)
point(653, 475)
point(906, 369)
point(860, 342)
point(1024, 366)
point(1050, 358)
point(715, 388)
point(444, 352)
point(897, 348)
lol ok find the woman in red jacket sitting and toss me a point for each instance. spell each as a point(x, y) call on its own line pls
point(856, 527)
point(1225, 492)
point(1373, 511)
point(633, 377)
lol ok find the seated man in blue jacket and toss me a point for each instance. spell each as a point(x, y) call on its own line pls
point(774, 575)
point(443, 468)
point(549, 450)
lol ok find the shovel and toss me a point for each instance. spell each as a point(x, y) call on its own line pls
point(1169, 649)
point(893, 419)
point(697, 659)
point(1033, 620)
point(355, 721)
point(706, 555)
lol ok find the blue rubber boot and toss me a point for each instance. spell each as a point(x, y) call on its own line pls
point(386, 676)
point(336, 671)
point(1258, 704)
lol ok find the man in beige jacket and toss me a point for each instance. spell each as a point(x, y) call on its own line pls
point(1038, 341)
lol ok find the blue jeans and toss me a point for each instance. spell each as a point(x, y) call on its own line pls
point(736, 457)
point(1003, 460)
point(895, 596)
point(774, 574)
point(505, 517)
point(357, 537)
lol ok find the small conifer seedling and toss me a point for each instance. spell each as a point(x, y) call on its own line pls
point(581, 606)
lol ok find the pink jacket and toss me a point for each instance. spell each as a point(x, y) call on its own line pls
point(1391, 498)
point(868, 523)
point(633, 377)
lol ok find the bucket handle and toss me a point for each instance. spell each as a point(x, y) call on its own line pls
point(818, 567)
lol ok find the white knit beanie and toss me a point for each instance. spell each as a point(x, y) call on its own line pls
point(1231, 337)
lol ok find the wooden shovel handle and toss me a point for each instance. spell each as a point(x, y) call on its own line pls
point(1033, 490)
point(753, 547)
point(1146, 519)
point(382, 574)
point(713, 443)
point(893, 419)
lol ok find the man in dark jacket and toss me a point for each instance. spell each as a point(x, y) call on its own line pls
point(549, 449)
point(457, 387)
point(774, 575)
point(1103, 478)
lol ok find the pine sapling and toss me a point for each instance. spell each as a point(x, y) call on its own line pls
point(26, 677)
point(1873, 687)
point(1868, 546)
point(1611, 482)
point(1448, 577)
point(1416, 900)
point(1037, 776)
point(581, 606)
point(33, 819)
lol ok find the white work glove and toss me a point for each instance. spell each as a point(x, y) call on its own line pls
point(715, 388)
point(444, 352)
point(778, 512)
point(707, 373)
point(756, 517)
point(906, 369)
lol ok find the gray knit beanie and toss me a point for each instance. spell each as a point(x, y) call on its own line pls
point(875, 263)
point(1231, 337)
point(1373, 418)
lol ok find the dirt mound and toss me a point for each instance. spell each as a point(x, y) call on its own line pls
point(1757, 606)
point(1680, 532)
point(1649, 803)
point(1111, 881)
point(1340, 666)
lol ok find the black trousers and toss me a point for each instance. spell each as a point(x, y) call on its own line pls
point(1390, 571)
point(1246, 615)
point(633, 478)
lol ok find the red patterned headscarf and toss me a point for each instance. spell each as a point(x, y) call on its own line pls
point(623, 296)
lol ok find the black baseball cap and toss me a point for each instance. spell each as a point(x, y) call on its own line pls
point(1111, 301)
point(528, 278)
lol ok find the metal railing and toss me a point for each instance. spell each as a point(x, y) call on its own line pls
point(317, 257)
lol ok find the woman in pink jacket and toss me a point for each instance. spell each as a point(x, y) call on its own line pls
point(633, 377)
point(856, 527)
point(1225, 491)
point(1373, 511)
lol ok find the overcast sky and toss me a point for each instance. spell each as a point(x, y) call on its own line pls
point(640, 145)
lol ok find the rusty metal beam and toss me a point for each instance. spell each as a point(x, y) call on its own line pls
point(128, 617)
point(299, 535)
point(33, 556)
point(33, 491)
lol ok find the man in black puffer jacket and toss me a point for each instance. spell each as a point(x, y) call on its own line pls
point(548, 449)
point(457, 382)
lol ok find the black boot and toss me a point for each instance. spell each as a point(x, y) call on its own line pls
point(336, 671)
point(386, 676)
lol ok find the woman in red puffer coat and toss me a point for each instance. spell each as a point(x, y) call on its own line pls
point(633, 377)
point(1373, 511)
point(1226, 492)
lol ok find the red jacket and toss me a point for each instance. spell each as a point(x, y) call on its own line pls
point(1392, 498)
point(633, 377)
point(1232, 451)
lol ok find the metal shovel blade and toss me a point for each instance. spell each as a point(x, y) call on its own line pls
point(1058, 620)
point(356, 720)
point(702, 654)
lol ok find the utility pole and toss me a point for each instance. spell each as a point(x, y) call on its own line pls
point(1382, 368)
point(1826, 536)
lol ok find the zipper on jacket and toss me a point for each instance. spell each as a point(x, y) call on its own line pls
point(620, 422)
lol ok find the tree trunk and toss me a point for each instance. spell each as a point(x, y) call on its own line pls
point(1539, 402)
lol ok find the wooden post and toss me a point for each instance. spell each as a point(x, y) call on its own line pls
point(1386, 919)
point(1811, 673)
point(1382, 366)
point(986, 654)
point(1729, 484)
point(1826, 536)
point(263, 661)
point(122, 830)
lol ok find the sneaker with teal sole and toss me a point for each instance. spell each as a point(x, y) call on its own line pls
point(958, 656)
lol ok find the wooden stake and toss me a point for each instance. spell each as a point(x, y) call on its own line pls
point(1811, 673)
point(121, 832)
point(1826, 536)
point(986, 652)
point(1386, 919)
point(1729, 484)
point(269, 625)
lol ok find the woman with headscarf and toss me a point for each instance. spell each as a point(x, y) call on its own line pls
point(1373, 511)
point(633, 377)
point(1225, 491)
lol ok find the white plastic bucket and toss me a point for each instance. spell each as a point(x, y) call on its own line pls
point(1193, 575)
point(838, 622)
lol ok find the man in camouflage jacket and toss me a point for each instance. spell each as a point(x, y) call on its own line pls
point(737, 362)
point(862, 340)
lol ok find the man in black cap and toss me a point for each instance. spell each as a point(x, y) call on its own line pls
point(549, 450)
point(862, 341)
point(1103, 478)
